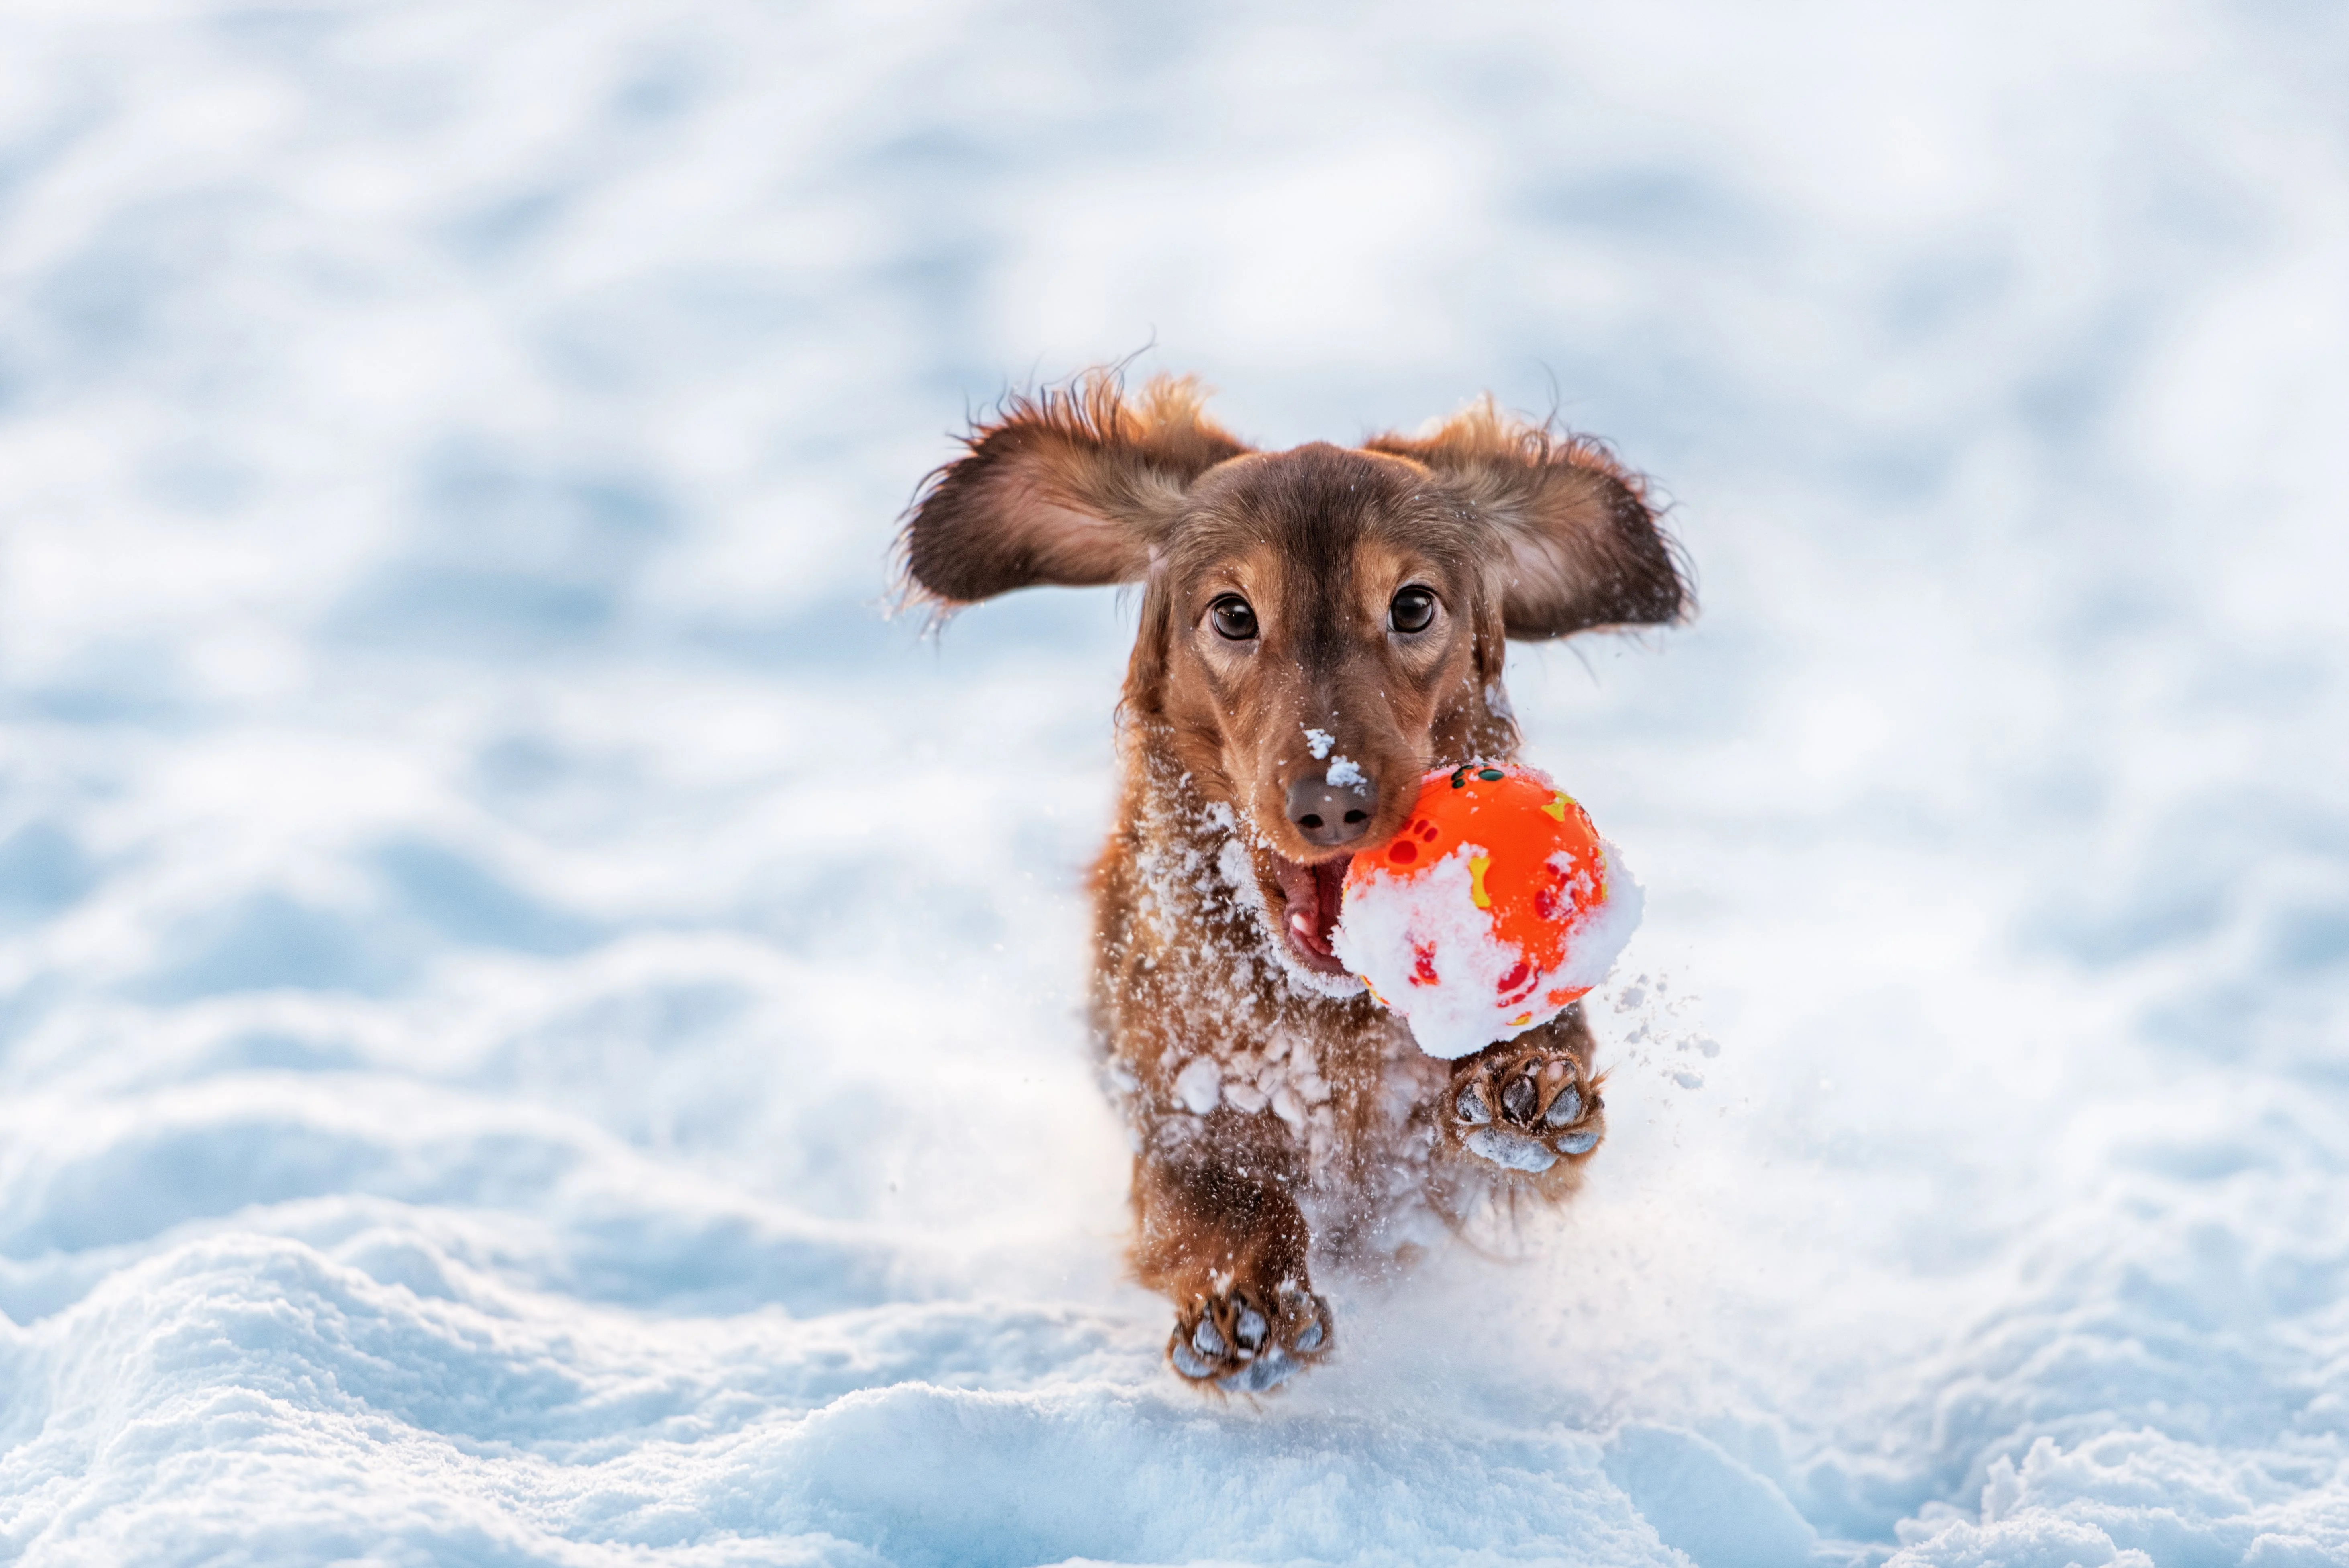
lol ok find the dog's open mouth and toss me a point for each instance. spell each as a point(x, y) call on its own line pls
point(1309, 897)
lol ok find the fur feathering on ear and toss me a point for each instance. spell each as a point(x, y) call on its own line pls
point(1579, 546)
point(1068, 486)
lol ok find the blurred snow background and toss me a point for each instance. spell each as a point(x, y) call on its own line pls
point(535, 1027)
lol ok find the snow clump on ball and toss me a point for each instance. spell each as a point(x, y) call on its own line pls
point(1493, 909)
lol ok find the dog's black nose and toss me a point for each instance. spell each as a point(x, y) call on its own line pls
point(1332, 814)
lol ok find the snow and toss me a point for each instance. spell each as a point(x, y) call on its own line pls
point(536, 1028)
point(1388, 921)
point(1344, 773)
point(1200, 1085)
point(1606, 926)
point(1431, 940)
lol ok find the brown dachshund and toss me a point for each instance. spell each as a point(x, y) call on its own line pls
point(1318, 628)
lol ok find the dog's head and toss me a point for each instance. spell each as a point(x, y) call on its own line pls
point(1319, 626)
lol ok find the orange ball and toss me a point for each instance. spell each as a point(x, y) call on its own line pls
point(1494, 906)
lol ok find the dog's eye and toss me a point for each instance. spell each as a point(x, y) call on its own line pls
point(1413, 609)
point(1233, 618)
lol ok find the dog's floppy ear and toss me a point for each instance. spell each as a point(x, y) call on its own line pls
point(1579, 544)
point(1071, 487)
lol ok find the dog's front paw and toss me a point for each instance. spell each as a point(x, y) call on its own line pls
point(1521, 1107)
point(1241, 1342)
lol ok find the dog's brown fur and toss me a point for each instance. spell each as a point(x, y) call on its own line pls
point(1282, 1116)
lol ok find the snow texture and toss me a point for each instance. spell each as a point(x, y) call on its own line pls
point(1386, 922)
point(536, 1028)
point(1200, 1085)
point(1606, 927)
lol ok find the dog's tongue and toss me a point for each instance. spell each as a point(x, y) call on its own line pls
point(1313, 893)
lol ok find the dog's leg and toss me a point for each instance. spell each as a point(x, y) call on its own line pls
point(1227, 1243)
point(1528, 1105)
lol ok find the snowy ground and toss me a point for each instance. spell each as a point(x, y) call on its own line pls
point(535, 1027)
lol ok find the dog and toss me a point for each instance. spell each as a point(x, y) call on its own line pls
point(1297, 609)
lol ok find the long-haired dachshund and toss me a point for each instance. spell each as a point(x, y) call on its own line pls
point(1318, 628)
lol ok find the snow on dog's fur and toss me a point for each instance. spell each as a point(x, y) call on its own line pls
point(1319, 627)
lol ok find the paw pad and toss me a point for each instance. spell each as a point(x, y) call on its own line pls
point(1520, 1098)
point(1543, 1112)
point(1514, 1150)
point(1243, 1347)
